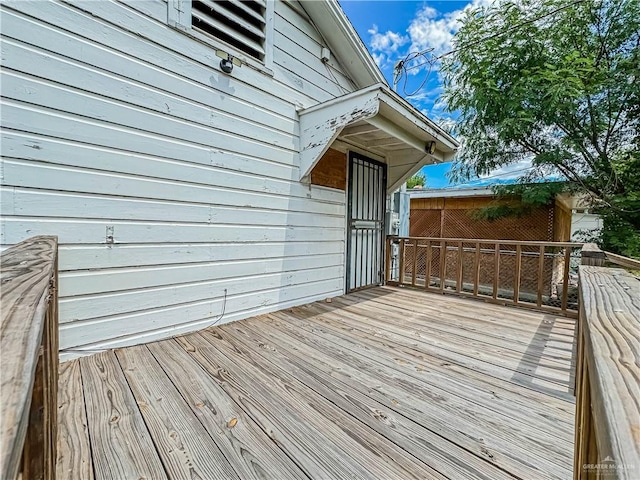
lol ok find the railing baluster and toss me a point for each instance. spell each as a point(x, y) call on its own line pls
point(443, 259)
point(427, 275)
point(496, 272)
point(415, 262)
point(540, 276)
point(459, 276)
point(565, 278)
point(516, 276)
point(476, 270)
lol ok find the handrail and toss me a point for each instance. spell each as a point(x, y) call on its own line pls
point(592, 255)
point(29, 358)
point(487, 240)
point(607, 427)
point(531, 274)
point(622, 261)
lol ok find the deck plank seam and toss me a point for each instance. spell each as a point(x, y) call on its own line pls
point(400, 371)
point(86, 416)
point(355, 418)
point(347, 387)
point(475, 359)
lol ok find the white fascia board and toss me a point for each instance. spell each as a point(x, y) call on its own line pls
point(451, 193)
point(417, 118)
point(321, 124)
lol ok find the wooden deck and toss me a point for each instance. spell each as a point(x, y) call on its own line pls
point(386, 383)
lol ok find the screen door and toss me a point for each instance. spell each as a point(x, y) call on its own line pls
point(365, 211)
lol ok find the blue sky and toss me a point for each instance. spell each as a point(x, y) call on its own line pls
point(392, 29)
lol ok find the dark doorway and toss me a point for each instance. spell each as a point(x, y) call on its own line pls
point(365, 213)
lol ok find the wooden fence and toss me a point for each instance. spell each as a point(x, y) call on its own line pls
point(29, 357)
point(540, 275)
point(607, 431)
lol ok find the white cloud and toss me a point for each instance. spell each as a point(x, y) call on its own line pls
point(379, 58)
point(429, 29)
point(512, 171)
point(388, 42)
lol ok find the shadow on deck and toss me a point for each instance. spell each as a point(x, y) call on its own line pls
point(385, 383)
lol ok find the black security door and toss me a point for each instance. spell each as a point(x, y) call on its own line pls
point(365, 211)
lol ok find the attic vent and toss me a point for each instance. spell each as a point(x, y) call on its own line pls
point(240, 23)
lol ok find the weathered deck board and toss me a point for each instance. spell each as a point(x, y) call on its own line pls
point(74, 452)
point(238, 437)
point(185, 448)
point(445, 456)
point(385, 383)
point(373, 454)
point(399, 383)
point(121, 446)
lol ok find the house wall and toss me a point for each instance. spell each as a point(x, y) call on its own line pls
point(118, 127)
point(585, 223)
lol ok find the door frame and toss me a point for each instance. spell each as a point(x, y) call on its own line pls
point(381, 206)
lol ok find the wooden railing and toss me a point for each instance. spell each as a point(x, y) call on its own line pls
point(540, 275)
point(592, 255)
point(29, 360)
point(607, 427)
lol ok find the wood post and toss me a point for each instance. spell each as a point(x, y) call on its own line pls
point(29, 349)
point(607, 376)
point(592, 255)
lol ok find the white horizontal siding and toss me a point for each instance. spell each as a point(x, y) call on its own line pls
point(90, 257)
point(112, 120)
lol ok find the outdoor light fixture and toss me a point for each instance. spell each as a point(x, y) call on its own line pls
point(228, 61)
point(431, 148)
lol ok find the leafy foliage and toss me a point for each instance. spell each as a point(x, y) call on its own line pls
point(419, 179)
point(557, 84)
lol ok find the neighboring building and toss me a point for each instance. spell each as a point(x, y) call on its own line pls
point(449, 213)
point(184, 195)
point(584, 223)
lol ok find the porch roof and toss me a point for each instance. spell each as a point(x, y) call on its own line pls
point(377, 120)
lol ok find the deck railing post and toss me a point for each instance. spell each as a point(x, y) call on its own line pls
point(476, 270)
point(427, 275)
point(496, 271)
point(592, 255)
point(401, 262)
point(29, 349)
point(516, 276)
point(565, 278)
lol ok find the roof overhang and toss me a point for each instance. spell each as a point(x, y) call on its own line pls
point(452, 192)
point(377, 120)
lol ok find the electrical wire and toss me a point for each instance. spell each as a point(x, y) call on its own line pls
point(498, 34)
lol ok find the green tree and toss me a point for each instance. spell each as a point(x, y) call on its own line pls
point(556, 83)
point(419, 179)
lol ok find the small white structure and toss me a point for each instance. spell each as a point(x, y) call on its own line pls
point(584, 223)
point(200, 161)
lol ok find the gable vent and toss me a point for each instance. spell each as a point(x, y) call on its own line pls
point(240, 23)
